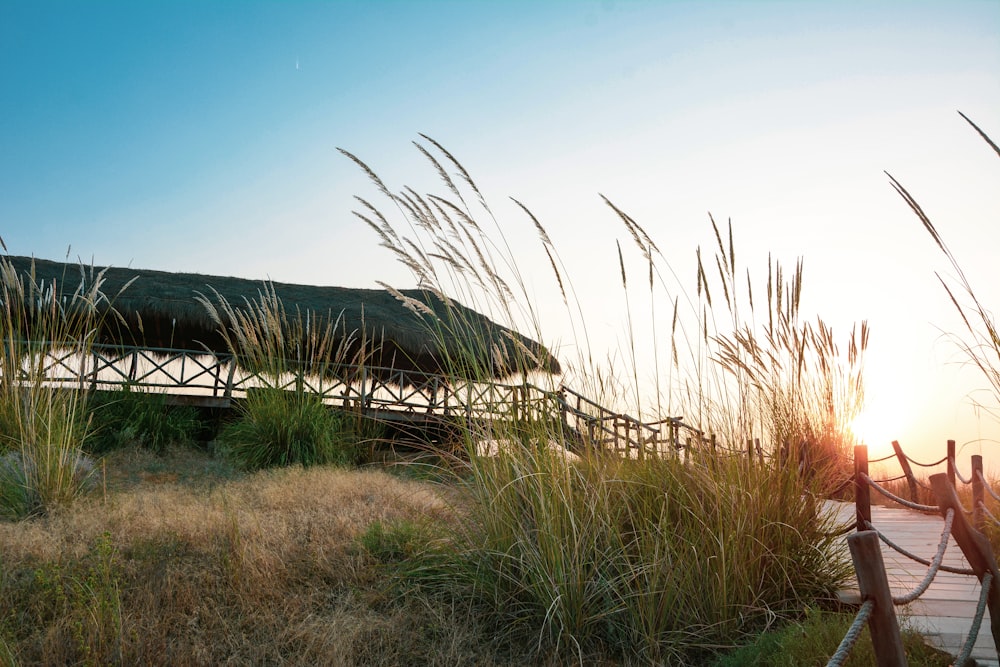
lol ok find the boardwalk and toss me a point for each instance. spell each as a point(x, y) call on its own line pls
point(944, 613)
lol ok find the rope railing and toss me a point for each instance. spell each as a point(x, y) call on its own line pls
point(953, 467)
point(992, 517)
point(891, 479)
point(912, 556)
point(977, 620)
point(902, 501)
point(870, 567)
point(851, 637)
point(927, 465)
point(935, 565)
point(987, 487)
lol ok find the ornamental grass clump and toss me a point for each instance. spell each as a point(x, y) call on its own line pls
point(661, 556)
point(43, 425)
point(283, 420)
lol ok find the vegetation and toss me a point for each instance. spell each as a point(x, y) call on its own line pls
point(814, 639)
point(43, 427)
point(981, 341)
point(131, 417)
point(280, 428)
point(651, 559)
point(676, 555)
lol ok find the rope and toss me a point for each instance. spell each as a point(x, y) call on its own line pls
point(958, 475)
point(848, 482)
point(986, 485)
point(932, 571)
point(923, 561)
point(901, 501)
point(841, 531)
point(891, 479)
point(988, 513)
point(977, 620)
point(884, 458)
point(927, 465)
point(851, 638)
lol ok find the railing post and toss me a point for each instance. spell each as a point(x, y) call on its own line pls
point(978, 497)
point(951, 462)
point(904, 463)
point(974, 545)
point(882, 624)
point(862, 492)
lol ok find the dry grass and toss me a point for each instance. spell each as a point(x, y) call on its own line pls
point(260, 570)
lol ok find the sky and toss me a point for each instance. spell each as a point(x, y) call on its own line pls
point(202, 137)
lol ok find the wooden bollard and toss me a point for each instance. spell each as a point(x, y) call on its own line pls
point(904, 463)
point(978, 493)
point(974, 545)
point(870, 568)
point(862, 492)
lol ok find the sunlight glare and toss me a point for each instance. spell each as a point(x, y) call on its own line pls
point(877, 425)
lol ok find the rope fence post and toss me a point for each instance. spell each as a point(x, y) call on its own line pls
point(862, 492)
point(882, 624)
point(978, 493)
point(951, 462)
point(904, 463)
point(974, 545)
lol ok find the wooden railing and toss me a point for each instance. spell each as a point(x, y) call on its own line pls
point(368, 388)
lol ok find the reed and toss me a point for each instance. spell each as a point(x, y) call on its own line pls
point(980, 342)
point(652, 559)
point(43, 427)
point(282, 420)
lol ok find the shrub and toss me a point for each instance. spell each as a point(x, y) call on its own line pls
point(280, 428)
point(126, 417)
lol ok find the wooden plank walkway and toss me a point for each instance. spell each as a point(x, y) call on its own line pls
point(944, 612)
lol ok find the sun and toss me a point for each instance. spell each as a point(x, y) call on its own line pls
point(877, 425)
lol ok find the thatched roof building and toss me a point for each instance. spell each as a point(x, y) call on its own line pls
point(161, 309)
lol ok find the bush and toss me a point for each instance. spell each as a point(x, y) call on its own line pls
point(280, 428)
point(651, 561)
point(129, 417)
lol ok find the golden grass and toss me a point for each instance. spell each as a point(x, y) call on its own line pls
point(263, 569)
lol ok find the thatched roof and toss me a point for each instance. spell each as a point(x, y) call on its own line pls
point(161, 310)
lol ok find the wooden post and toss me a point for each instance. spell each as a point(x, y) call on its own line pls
point(904, 463)
point(760, 452)
point(870, 568)
point(974, 545)
point(951, 462)
point(978, 495)
point(749, 450)
point(862, 492)
point(229, 378)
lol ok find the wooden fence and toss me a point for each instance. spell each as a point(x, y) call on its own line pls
point(214, 379)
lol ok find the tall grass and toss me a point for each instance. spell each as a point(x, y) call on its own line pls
point(282, 420)
point(981, 340)
point(650, 560)
point(42, 426)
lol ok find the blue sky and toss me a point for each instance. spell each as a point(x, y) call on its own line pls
point(201, 136)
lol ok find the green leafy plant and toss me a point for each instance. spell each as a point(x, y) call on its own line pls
point(280, 428)
point(129, 417)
